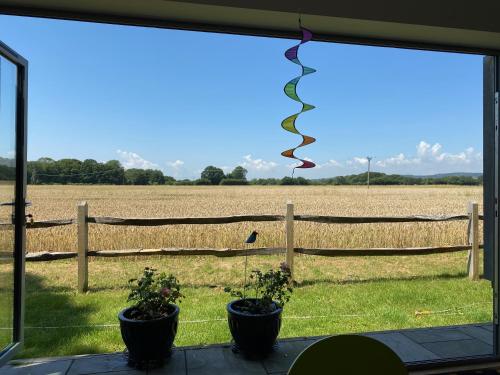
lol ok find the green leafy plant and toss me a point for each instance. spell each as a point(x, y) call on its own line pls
point(153, 294)
point(267, 291)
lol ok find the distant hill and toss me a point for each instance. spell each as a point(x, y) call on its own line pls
point(453, 174)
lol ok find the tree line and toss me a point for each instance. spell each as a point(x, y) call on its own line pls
point(89, 171)
point(377, 178)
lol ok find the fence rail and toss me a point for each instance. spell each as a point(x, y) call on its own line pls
point(44, 256)
point(377, 219)
point(223, 253)
point(83, 253)
point(50, 223)
point(323, 219)
point(151, 222)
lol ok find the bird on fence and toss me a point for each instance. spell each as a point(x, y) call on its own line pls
point(252, 237)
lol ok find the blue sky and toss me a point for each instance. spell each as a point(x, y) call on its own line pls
point(179, 101)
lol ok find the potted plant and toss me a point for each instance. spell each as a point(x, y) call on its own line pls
point(255, 319)
point(149, 326)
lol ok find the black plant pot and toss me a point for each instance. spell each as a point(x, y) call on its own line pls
point(149, 342)
point(253, 334)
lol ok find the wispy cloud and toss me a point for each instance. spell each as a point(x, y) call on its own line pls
point(430, 158)
point(332, 163)
point(258, 165)
point(432, 155)
point(426, 158)
point(356, 162)
point(175, 164)
point(175, 168)
point(133, 160)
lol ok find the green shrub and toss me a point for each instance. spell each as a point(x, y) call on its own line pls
point(203, 181)
point(153, 294)
point(233, 181)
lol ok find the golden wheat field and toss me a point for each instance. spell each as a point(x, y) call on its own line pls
point(57, 202)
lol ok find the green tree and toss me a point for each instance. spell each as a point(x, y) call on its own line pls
point(136, 176)
point(112, 173)
point(294, 181)
point(212, 174)
point(155, 177)
point(90, 171)
point(233, 181)
point(70, 170)
point(238, 173)
point(184, 182)
point(169, 180)
point(266, 181)
point(203, 181)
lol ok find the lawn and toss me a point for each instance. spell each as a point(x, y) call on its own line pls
point(332, 296)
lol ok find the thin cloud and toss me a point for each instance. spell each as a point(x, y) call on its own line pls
point(132, 160)
point(433, 158)
point(258, 165)
point(175, 164)
point(360, 161)
point(176, 167)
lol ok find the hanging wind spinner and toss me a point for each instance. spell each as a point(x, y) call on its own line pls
point(291, 91)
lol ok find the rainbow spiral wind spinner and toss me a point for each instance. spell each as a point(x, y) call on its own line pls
point(291, 91)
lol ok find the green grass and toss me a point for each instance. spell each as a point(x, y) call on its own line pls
point(334, 295)
point(6, 300)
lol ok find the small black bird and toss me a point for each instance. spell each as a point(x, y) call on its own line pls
point(252, 237)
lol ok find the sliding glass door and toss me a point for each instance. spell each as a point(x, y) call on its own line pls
point(13, 75)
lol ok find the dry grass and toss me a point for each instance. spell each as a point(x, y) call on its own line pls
point(51, 202)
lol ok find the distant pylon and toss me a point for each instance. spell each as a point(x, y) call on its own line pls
point(369, 158)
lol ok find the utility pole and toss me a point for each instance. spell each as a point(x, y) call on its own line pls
point(369, 158)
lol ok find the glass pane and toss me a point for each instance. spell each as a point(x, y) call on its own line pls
point(8, 88)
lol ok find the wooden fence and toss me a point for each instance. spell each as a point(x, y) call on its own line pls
point(83, 219)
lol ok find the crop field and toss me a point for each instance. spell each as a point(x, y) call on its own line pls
point(333, 295)
point(54, 202)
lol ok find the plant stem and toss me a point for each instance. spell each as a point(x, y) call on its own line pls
point(246, 262)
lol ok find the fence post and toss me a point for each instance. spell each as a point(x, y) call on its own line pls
point(473, 241)
point(83, 246)
point(289, 237)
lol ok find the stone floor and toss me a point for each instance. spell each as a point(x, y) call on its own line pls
point(413, 346)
